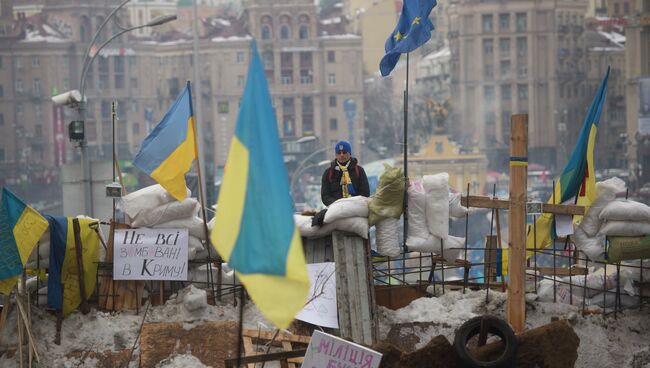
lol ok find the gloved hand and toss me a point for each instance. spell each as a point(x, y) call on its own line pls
point(318, 219)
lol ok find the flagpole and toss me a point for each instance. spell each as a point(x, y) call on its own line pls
point(406, 177)
point(202, 200)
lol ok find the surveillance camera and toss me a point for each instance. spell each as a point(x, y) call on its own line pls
point(68, 98)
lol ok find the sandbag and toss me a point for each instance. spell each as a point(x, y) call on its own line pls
point(456, 209)
point(624, 228)
point(417, 221)
point(194, 247)
point(194, 226)
point(355, 225)
point(200, 276)
point(146, 198)
point(306, 230)
point(40, 256)
point(593, 247)
point(436, 188)
point(386, 235)
point(166, 212)
point(596, 283)
point(356, 206)
point(627, 248)
point(625, 210)
point(388, 200)
point(451, 247)
point(605, 193)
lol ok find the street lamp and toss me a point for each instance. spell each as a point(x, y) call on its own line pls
point(76, 99)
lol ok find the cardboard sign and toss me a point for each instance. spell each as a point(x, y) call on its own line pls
point(321, 308)
point(327, 351)
point(150, 254)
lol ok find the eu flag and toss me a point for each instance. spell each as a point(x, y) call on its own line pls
point(254, 228)
point(412, 31)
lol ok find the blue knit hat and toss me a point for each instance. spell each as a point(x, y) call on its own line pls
point(343, 146)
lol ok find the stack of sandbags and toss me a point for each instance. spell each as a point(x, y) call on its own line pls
point(153, 207)
point(587, 235)
point(430, 205)
point(624, 218)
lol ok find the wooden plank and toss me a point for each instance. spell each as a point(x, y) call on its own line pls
point(286, 345)
point(232, 362)
point(490, 260)
point(516, 303)
point(282, 336)
point(341, 288)
point(248, 348)
point(78, 247)
point(488, 202)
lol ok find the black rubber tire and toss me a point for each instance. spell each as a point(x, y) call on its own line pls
point(497, 327)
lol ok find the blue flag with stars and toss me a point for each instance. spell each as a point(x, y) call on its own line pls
point(412, 31)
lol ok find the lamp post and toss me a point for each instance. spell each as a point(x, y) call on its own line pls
point(78, 99)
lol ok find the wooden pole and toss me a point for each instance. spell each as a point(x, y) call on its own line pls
point(80, 265)
point(516, 305)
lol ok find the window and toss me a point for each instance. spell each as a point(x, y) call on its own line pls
point(488, 71)
point(617, 9)
point(136, 128)
point(307, 116)
point(626, 8)
point(240, 81)
point(2, 91)
point(522, 71)
point(521, 22)
point(331, 79)
point(504, 47)
point(66, 84)
point(38, 131)
point(505, 120)
point(240, 57)
point(334, 124)
point(106, 110)
point(36, 62)
point(490, 118)
point(487, 23)
point(19, 86)
point(38, 110)
point(19, 108)
point(506, 92)
point(134, 82)
point(288, 117)
point(504, 22)
point(331, 57)
point(332, 101)
point(488, 92)
point(222, 107)
point(17, 62)
point(303, 32)
point(284, 32)
point(2, 154)
point(504, 68)
point(522, 91)
point(488, 48)
point(522, 46)
point(266, 32)
point(0, 61)
point(2, 119)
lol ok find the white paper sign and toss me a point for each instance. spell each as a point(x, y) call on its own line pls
point(320, 309)
point(327, 351)
point(563, 225)
point(150, 254)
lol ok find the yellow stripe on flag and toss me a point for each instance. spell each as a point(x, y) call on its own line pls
point(70, 271)
point(29, 228)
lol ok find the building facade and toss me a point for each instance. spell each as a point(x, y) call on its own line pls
point(512, 57)
point(315, 81)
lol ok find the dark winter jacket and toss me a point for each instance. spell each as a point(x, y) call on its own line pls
point(331, 182)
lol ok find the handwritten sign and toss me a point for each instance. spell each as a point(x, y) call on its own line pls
point(320, 309)
point(327, 351)
point(150, 254)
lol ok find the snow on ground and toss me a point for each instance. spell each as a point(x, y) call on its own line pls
point(605, 341)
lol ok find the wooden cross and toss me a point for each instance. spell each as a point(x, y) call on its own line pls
point(516, 303)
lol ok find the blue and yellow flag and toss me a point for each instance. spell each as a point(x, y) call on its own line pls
point(578, 177)
point(168, 151)
point(412, 31)
point(254, 229)
point(21, 227)
point(63, 277)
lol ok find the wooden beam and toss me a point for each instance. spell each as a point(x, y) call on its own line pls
point(232, 362)
point(516, 303)
point(559, 271)
point(487, 202)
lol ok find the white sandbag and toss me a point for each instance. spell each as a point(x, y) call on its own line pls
point(596, 283)
point(417, 224)
point(42, 295)
point(40, 256)
point(166, 212)
point(355, 225)
point(625, 210)
point(436, 188)
point(306, 230)
point(356, 206)
point(194, 226)
point(200, 276)
point(593, 247)
point(386, 235)
point(146, 198)
point(605, 193)
point(624, 228)
point(450, 248)
point(194, 247)
point(608, 300)
point(456, 210)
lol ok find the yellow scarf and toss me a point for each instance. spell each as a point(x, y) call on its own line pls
point(346, 181)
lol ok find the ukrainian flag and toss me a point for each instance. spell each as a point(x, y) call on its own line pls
point(168, 151)
point(578, 177)
point(21, 227)
point(254, 230)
